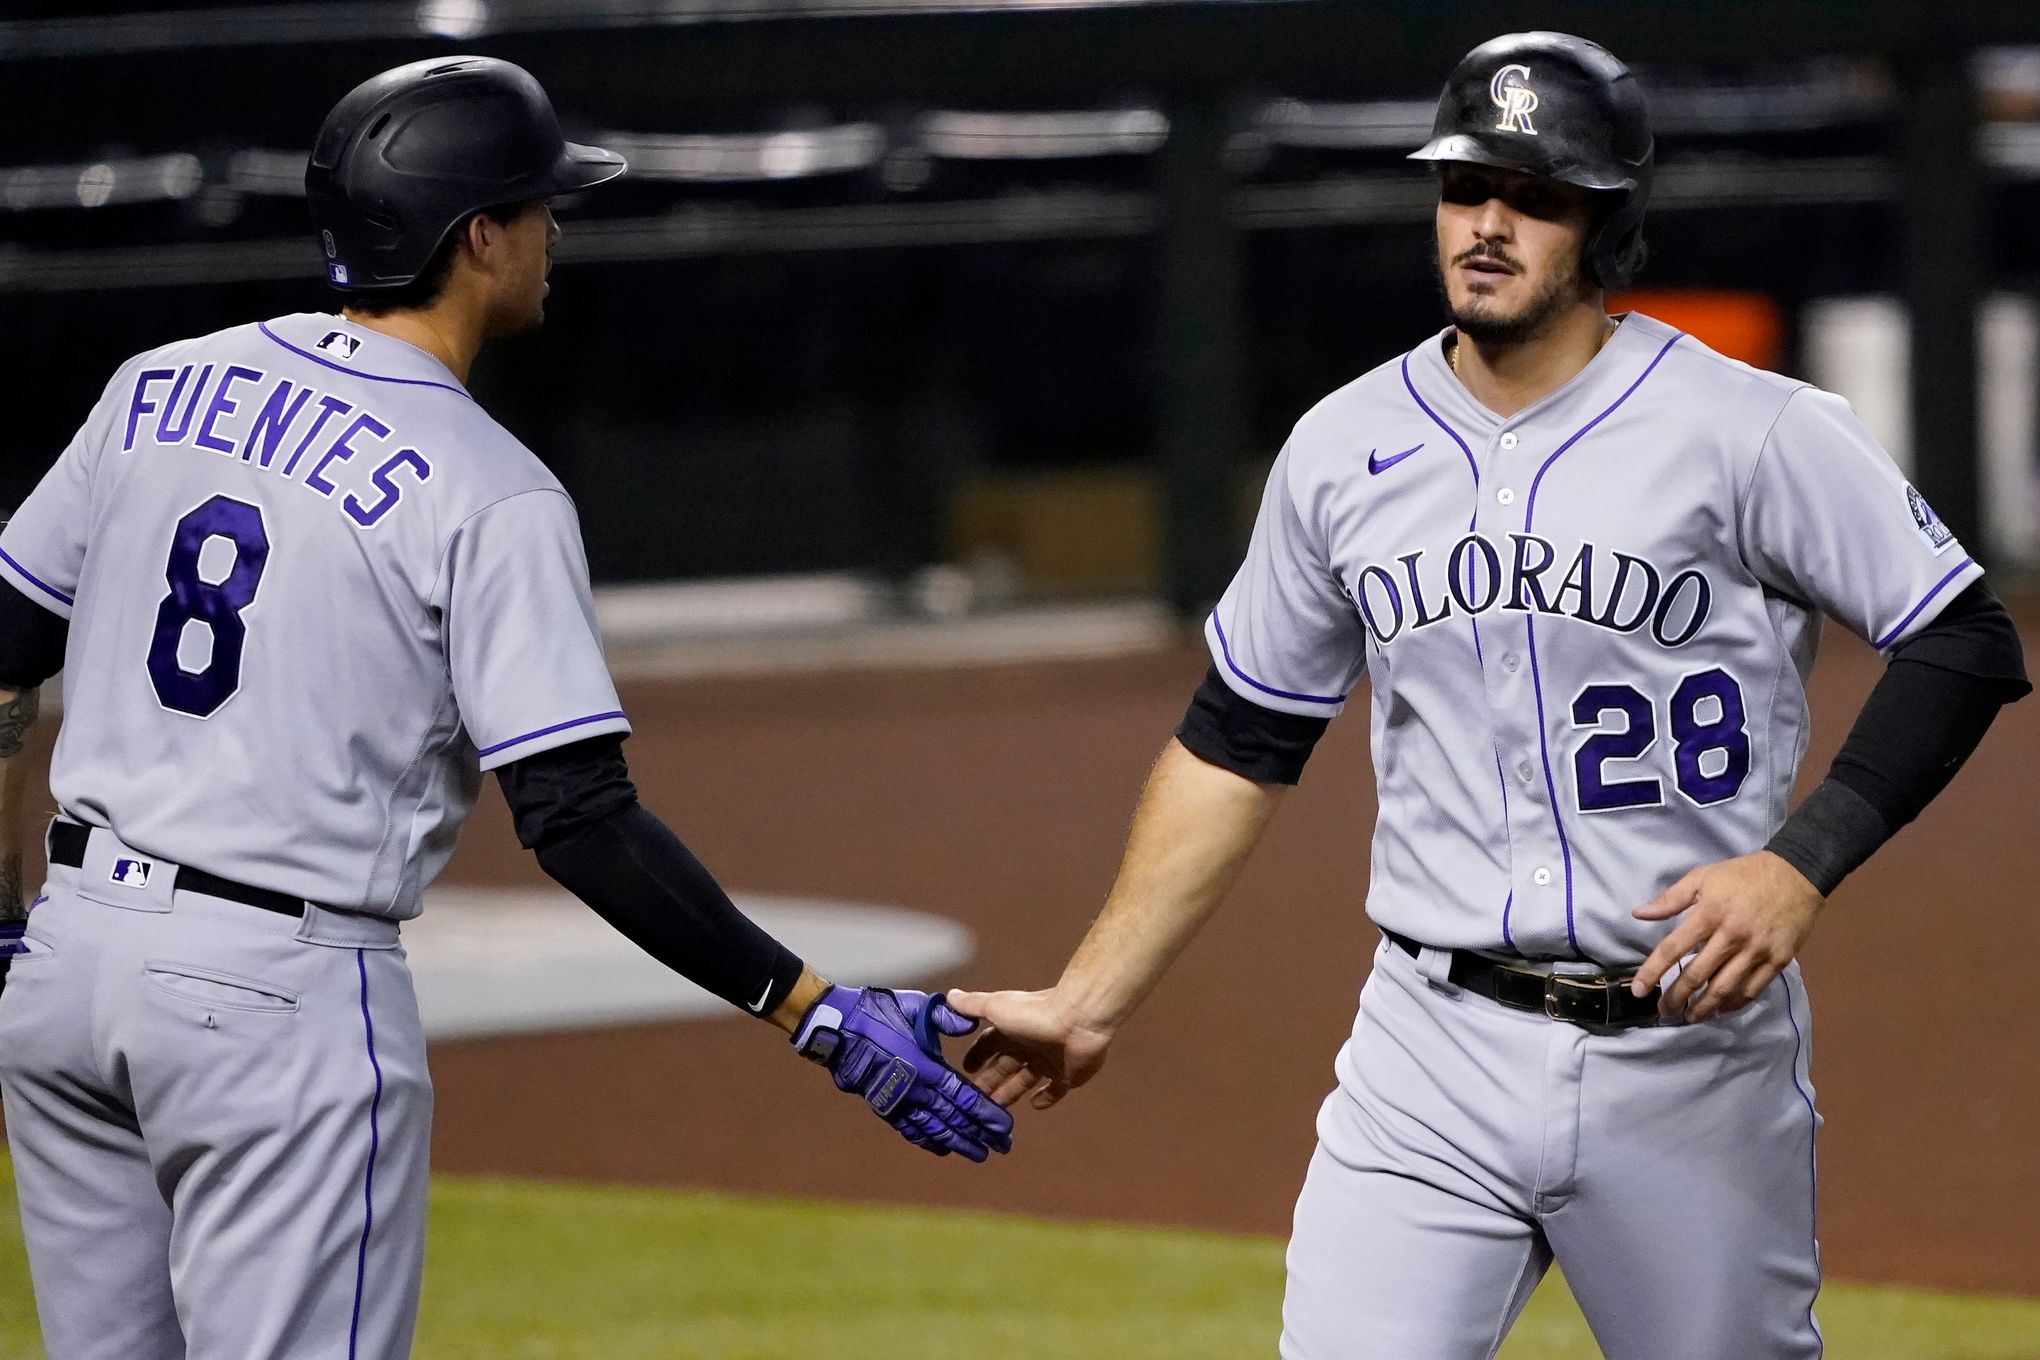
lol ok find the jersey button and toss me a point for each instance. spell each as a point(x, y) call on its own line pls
point(1509, 661)
point(1509, 441)
point(1506, 496)
point(1525, 772)
point(1541, 877)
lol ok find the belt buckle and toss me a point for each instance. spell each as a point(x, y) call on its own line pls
point(1558, 986)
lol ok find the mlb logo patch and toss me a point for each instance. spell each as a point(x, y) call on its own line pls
point(339, 343)
point(1938, 535)
point(131, 873)
point(337, 273)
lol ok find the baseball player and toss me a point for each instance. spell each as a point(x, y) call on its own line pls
point(1582, 561)
point(305, 592)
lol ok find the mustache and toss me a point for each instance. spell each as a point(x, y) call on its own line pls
point(1483, 250)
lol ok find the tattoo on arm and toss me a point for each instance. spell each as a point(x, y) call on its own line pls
point(16, 717)
point(15, 720)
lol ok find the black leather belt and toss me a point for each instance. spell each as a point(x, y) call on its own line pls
point(1591, 999)
point(67, 847)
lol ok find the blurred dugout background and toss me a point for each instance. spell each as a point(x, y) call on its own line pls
point(968, 304)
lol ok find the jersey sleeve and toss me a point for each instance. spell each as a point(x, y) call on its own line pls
point(528, 669)
point(1285, 635)
point(42, 549)
point(1829, 519)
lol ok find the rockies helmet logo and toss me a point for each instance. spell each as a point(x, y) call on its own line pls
point(1510, 89)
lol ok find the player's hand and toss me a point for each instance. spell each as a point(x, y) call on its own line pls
point(1746, 917)
point(886, 1046)
point(1036, 1044)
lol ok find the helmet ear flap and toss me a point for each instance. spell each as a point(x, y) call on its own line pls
point(1627, 260)
point(1615, 249)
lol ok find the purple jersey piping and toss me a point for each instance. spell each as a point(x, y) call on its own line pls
point(548, 731)
point(1480, 657)
point(1225, 650)
point(1813, 1160)
point(1530, 624)
point(56, 594)
point(263, 326)
point(1925, 600)
point(1472, 466)
point(374, 1145)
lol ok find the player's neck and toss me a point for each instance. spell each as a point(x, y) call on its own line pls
point(1506, 378)
point(447, 333)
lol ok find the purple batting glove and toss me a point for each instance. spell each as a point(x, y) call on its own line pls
point(11, 933)
point(887, 1047)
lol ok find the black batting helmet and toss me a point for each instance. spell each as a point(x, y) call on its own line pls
point(412, 153)
point(1561, 107)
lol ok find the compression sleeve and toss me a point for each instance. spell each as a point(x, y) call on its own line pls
point(1923, 719)
point(32, 640)
point(576, 806)
point(1223, 729)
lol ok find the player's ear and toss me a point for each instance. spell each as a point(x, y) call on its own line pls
point(483, 233)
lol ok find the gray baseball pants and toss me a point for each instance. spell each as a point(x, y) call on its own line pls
point(1669, 1171)
point(219, 1119)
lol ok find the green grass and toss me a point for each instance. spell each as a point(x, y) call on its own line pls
point(521, 1271)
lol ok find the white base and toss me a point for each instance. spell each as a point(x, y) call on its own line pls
point(490, 963)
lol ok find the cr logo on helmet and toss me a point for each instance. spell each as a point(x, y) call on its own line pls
point(1510, 89)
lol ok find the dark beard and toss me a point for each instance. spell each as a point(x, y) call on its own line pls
point(1486, 329)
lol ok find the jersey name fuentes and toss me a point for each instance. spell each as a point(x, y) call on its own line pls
point(1605, 587)
point(280, 425)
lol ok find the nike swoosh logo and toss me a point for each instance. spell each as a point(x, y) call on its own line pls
point(1380, 465)
point(758, 1007)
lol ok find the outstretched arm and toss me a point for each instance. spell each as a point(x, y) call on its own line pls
point(1195, 826)
point(577, 808)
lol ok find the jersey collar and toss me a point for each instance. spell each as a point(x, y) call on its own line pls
point(333, 342)
point(1634, 342)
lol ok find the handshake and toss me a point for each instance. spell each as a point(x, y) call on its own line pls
point(886, 1046)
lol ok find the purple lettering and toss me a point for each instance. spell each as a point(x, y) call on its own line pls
point(273, 421)
point(223, 405)
point(139, 404)
point(170, 403)
point(328, 408)
point(166, 435)
point(368, 516)
point(340, 451)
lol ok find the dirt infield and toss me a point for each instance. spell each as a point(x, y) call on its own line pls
point(999, 796)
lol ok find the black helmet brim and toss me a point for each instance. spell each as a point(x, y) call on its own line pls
point(1470, 149)
point(583, 167)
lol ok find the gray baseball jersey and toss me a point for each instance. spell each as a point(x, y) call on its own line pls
point(314, 592)
point(1586, 628)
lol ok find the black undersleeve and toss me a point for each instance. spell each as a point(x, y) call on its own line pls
point(577, 808)
point(1254, 742)
point(32, 641)
point(1923, 719)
